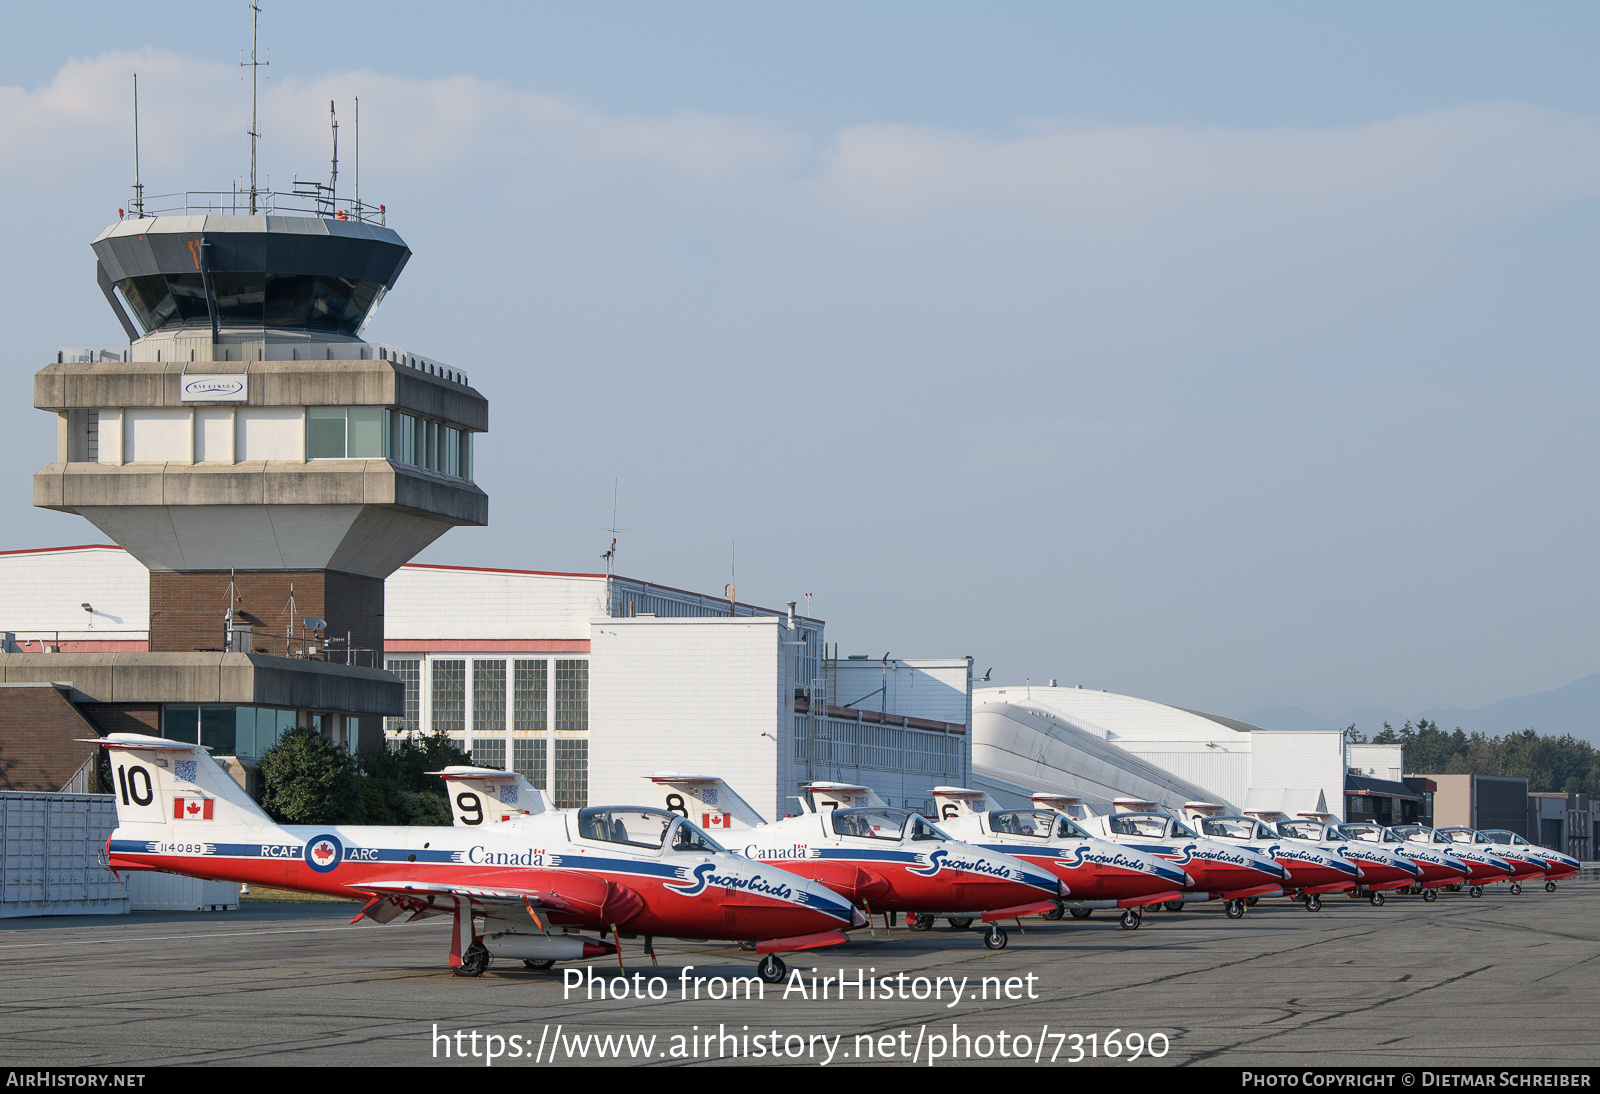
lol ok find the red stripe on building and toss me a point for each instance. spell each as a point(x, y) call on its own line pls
point(486, 645)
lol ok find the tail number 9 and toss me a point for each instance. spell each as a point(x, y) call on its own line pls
point(471, 807)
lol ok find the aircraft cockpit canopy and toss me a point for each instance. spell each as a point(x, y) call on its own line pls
point(1308, 830)
point(884, 824)
point(1153, 825)
point(1462, 835)
point(1040, 824)
point(646, 829)
point(1368, 833)
point(1234, 828)
point(1416, 833)
point(1505, 838)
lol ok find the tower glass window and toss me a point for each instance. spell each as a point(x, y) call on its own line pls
point(310, 301)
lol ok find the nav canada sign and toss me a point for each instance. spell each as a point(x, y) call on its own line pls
point(215, 389)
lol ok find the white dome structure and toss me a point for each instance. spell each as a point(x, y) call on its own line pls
point(1099, 745)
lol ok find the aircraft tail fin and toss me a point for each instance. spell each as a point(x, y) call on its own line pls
point(1195, 812)
point(958, 801)
point(157, 781)
point(486, 795)
point(828, 795)
point(1069, 804)
point(706, 801)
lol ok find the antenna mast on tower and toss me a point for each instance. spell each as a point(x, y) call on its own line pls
point(252, 64)
point(610, 557)
point(138, 187)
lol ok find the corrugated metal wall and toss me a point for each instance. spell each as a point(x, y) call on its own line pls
point(50, 855)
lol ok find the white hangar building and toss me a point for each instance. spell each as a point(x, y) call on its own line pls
point(1028, 739)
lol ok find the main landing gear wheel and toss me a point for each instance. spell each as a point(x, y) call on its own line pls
point(1252, 901)
point(1313, 903)
point(539, 963)
point(1430, 895)
point(474, 961)
point(1549, 886)
point(1055, 913)
point(1376, 900)
point(1516, 888)
point(1081, 913)
point(960, 924)
point(995, 938)
point(748, 947)
point(1130, 919)
point(1476, 891)
point(771, 969)
point(1173, 905)
point(921, 923)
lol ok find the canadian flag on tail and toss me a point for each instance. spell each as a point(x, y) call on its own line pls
point(187, 808)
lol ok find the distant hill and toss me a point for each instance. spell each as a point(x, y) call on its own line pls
point(1285, 718)
point(1573, 709)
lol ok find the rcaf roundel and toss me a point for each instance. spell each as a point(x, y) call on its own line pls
point(323, 853)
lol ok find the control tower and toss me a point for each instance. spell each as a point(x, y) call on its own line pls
point(266, 463)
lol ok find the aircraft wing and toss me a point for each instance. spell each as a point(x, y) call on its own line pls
point(584, 897)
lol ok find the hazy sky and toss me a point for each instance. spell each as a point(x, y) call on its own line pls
point(1233, 355)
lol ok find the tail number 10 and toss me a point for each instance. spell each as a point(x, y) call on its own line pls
point(135, 783)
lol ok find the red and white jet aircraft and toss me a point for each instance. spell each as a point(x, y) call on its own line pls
point(1315, 871)
point(1097, 873)
point(1556, 864)
point(1524, 863)
point(1221, 871)
point(887, 860)
point(1381, 870)
point(1484, 865)
point(1438, 866)
point(547, 889)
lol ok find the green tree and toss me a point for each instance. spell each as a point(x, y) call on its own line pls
point(397, 785)
point(307, 779)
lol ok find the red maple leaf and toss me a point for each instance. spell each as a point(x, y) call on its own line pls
point(323, 852)
point(194, 807)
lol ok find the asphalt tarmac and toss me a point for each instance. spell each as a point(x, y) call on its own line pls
point(1494, 981)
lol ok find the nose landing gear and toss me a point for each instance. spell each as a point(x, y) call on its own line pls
point(1234, 909)
point(1131, 919)
point(995, 938)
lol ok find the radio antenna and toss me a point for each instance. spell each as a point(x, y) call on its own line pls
point(138, 187)
point(333, 183)
point(253, 65)
point(358, 163)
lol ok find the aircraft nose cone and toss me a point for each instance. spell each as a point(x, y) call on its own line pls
point(857, 919)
